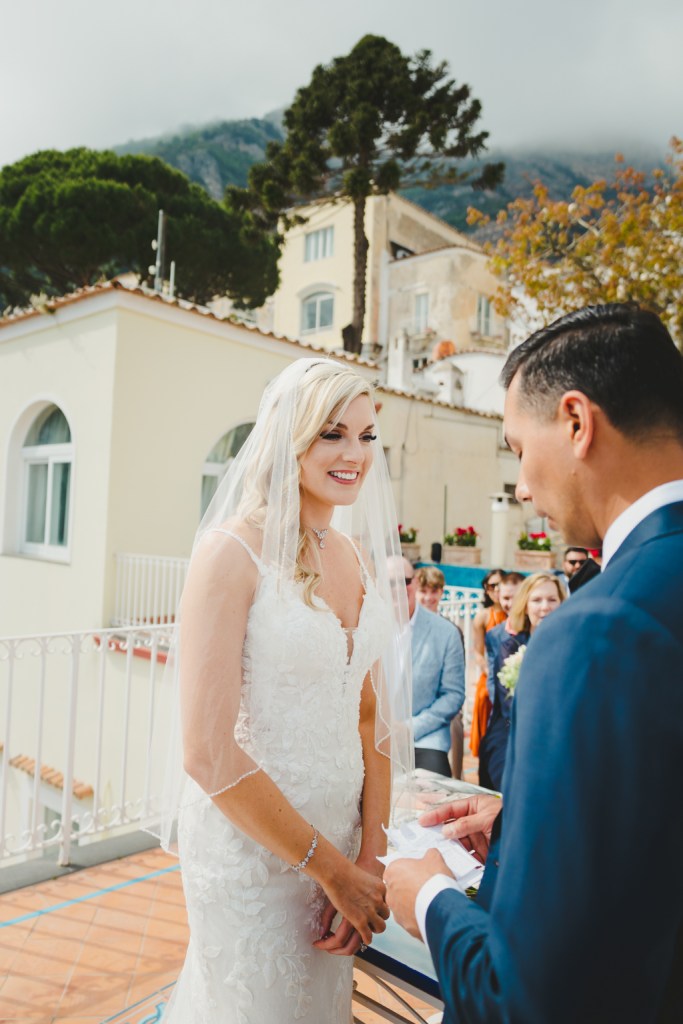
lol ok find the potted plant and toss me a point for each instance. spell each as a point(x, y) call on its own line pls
point(409, 545)
point(460, 547)
point(534, 552)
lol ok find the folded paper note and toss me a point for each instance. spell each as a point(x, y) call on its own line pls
point(412, 841)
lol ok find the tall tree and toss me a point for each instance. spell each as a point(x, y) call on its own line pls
point(367, 124)
point(613, 241)
point(69, 219)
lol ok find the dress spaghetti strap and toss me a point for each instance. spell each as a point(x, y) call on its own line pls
point(365, 573)
point(254, 557)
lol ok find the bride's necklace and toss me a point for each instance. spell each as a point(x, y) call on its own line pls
point(320, 534)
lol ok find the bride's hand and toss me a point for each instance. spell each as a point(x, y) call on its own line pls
point(359, 897)
point(345, 941)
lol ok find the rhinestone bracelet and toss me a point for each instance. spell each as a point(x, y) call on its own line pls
point(311, 850)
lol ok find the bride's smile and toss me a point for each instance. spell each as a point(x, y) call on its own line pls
point(334, 467)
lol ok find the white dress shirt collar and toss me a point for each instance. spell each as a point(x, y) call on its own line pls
point(658, 497)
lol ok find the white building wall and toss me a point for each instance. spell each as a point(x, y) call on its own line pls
point(387, 219)
point(481, 373)
point(148, 389)
point(66, 359)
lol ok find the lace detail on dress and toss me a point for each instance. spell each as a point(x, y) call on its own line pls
point(252, 919)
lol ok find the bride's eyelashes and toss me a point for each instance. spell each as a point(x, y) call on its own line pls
point(335, 435)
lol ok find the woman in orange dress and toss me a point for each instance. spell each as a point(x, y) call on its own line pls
point(486, 618)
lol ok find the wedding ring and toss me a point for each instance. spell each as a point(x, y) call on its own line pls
point(362, 947)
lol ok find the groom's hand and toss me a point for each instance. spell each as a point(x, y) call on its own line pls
point(470, 821)
point(404, 878)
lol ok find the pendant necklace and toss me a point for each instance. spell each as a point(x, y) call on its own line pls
point(320, 534)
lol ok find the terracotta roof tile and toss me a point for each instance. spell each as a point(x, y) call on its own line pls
point(81, 790)
point(437, 401)
point(59, 302)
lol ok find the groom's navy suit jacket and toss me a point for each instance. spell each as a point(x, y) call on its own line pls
point(580, 916)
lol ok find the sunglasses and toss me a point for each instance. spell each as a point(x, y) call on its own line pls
point(575, 561)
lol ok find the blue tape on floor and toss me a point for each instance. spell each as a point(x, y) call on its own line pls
point(89, 896)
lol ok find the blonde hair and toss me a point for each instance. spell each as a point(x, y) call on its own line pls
point(518, 617)
point(430, 576)
point(323, 394)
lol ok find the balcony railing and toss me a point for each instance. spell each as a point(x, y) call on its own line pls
point(76, 717)
point(77, 712)
point(148, 588)
point(460, 605)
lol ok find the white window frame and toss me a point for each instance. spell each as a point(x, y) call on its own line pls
point(484, 316)
point(319, 244)
point(219, 469)
point(421, 312)
point(319, 297)
point(49, 455)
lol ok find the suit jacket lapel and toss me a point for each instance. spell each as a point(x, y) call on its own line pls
point(668, 519)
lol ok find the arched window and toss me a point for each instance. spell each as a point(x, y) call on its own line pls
point(47, 456)
point(219, 458)
point(317, 312)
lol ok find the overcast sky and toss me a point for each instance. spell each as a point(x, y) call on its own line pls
point(601, 73)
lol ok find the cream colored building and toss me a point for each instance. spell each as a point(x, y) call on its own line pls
point(445, 339)
point(117, 408)
point(315, 297)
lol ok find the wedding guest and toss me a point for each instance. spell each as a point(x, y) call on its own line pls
point(573, 560)
point(507, 590)
point(430, 589)
point(586, 572)
point(537, 597)
point(438, 659)
point(488, 617)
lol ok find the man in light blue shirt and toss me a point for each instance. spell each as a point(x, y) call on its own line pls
point(438, 679)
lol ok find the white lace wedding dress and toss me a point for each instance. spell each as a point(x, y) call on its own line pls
point(252, 919)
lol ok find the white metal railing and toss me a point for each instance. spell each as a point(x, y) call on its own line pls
point(148, 588)
point(460, 605)
point(76, 717)
point(76, 706)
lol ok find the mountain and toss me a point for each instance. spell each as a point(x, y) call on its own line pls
point(213, 155)
point(220, 154)
point(560, 171)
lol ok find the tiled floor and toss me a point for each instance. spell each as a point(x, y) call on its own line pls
point(101, 944)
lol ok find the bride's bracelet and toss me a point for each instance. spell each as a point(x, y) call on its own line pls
point(311, 850)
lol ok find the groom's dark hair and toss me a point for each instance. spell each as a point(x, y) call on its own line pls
point(618, 355)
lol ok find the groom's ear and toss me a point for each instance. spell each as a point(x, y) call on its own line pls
point(577, 416)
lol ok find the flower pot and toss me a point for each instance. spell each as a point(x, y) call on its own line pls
point(411, 551)
point(534, 561)
point(456, 554)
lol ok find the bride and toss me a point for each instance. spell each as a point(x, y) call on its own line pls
point(290, 671)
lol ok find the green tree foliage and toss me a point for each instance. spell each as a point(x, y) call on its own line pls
point(70, 219)
point(617, 241)
point(365, 125)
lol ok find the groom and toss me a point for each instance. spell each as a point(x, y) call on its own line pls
point(580, 913)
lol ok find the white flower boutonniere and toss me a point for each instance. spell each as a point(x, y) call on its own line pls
point(509, 673)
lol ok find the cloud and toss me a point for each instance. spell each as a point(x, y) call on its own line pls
point(80, 73)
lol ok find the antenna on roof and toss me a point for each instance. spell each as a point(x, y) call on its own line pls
point(159, 246)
